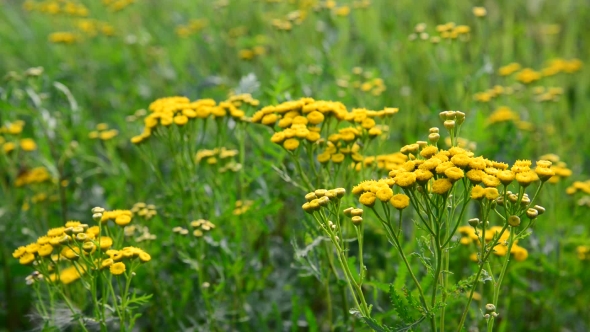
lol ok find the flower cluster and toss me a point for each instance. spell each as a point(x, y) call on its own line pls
point(471, 235)
point(194, 26)
point(222, 158)
point(9, 143)
point(180, 111)
point(146, 211)
point(120, 217)
point(53, 7)
point(33, 176)
point(103, 132)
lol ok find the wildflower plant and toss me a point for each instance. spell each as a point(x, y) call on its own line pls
point(79, 252)
point(440, 186)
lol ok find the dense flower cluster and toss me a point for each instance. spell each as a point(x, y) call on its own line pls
point(180, 111)
point(469, 236)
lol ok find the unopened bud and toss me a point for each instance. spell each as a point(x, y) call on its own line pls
point(514, 221)
point(500, 201)
point(443, 115)
point(532, 213)
point(433, 138)
point(525, 200)
point(490, 307)
point(460, 117)
point(434, 130)
point(540, 209)
point(513, 198)
point(97, 216)
point(474, 222)
point(356, 212)
point(307, 207)
point(347, 211)
point(310, 197)
point(422, 144)
point(324, 200)
point(97, 210)
point(449, 124)
point(320, 192)
point(451, 115)
point(357, 220)
point(340, 192)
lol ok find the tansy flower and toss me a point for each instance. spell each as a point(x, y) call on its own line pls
point(490, 181)
point(400, 201)
point(144, 257)
point(26, 258)
point(384, 194)
point(405, 179)
point(454, 174)
point(368, 199)
point(477, 192)
point(441, 186)
point(315, 117)
point(27, 144)
point(422, 176)
point(19, 252)
point(506, 177)
point(461, 160)
point(45, 250)
point(105, 242)
point(475, 176)
point(337, 158)
point(526, 178)
point(491, 193)
point(122, 219)
point(106, 263)
point(291, 144)
point(117, 268)
point(429, 151)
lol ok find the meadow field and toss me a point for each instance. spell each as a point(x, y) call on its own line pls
point(294, 165)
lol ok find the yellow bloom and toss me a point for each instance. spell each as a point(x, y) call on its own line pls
point(45, 250)
point(291, 144)
point(144, 257)
point(19, 252)
point(368, 199)
point(490, 181)
point(475, 176)
point(384, 194)
point(506, 177)
point(117, 268)
point(123, 220)
point(28, 144)
point(180, 120)
point(27, 258)
point(441, 186)
point(479, 11)
point(405, 179)
point(477, 192)
point(105, 242)
point(491, 193)
point(526, 178)
point(337, 158)
point(400, 201)
point(315, 117)
point(454, 173)
point(106, 263)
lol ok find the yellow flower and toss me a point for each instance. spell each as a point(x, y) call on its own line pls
point(27, 144)
point(291, 144)
point(144, 257)
point(454, 174)
point(490, 181)
point(27, 258)
point(8, 147)
point(106, 263)
point(429, 151)
point(19, 252)
point(109, 134)
point(105, 242)
point(384, 194)
point(117, 268)
point(337, 158)
point(313, 136)
point(461, 160)
point(520, 253)
point(269, 119)
point(544, 173)
point(45, 250)
point(526, 178)
point(479, 11)
point(477, 192)
point(122, 220)
point(422, 176)
point(315, 117)
point(400, 201)
point(180, 120)
point(475, 176)
point(405, 179)
point(491, 193)
point(506, 177)
point(441, 186)
point(368, 199)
